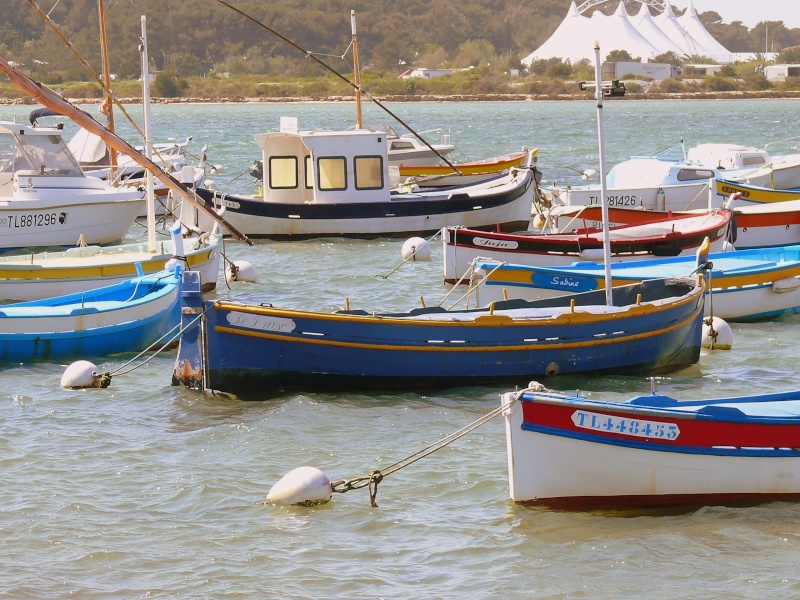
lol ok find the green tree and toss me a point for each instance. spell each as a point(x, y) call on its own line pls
point(789, 56)
point(559, 71)
point(621, 56)
point(168, 85)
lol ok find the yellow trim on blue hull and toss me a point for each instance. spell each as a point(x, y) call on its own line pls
point(565, 318)
point(456, 348)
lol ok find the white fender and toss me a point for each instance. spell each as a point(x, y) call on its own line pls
point(305, 486)
point(81, 374)
point(416, 249)
point(241, 271)
point(724, 335)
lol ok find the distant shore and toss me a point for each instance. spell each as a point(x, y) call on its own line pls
point(756, 94)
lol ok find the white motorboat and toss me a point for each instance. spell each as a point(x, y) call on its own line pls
point(45, 198)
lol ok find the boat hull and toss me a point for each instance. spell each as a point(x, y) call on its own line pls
point(126, 317)
point(38, 216)
point(462, 247)
point(507, 207)
point(751, 194)
point(676, 197)
point(42, 275)
point(572, 455)
point(747, 285)
point(253, 348)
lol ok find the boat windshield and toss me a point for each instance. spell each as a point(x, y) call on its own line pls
point(47, 154)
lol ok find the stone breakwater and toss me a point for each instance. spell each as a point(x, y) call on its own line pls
point(755, 94)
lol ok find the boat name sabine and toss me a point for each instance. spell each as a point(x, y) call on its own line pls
point(564, 282)
point(487, 243)
point(264, 323)
point(625, 425)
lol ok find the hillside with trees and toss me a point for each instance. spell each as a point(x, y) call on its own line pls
point(204, 38)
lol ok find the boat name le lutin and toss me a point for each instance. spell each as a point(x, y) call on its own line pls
point(240, 319)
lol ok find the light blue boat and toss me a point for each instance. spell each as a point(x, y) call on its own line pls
point(745, 284)
point(125, 317)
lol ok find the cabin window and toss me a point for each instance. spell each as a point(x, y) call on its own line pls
point(402, 145)
point(332, 173)
point(749, 161)
point(282, 172)
point(694, 174)
point(48, 154)
point(369, 172)
point(309, 173)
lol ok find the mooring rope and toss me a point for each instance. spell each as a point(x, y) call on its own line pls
point(413, 254)
point(376, 476)
point(105, 378)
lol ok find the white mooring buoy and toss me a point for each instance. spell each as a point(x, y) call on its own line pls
point(81, 374)
point(416, 249)
point(306, 486)
point(717, 334)
point(241, 270)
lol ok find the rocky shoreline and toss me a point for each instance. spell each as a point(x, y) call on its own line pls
point(755, 94)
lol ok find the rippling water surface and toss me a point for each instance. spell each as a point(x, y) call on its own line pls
point(145, 490)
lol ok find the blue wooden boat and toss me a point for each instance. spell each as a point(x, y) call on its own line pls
point(746, 284)
point(124, 317)
point(571, 452)
point(655, 326)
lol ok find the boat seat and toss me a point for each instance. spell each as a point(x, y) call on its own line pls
point(728, 413)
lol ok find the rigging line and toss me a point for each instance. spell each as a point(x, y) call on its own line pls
point(357, 88)
point(174, 336)
point(54, 7)
point(88, 67)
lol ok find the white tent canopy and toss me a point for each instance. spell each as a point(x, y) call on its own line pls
point(668, 23)
point(652, 33)
point(694, 27)
point(616, 32)
point(643, 36)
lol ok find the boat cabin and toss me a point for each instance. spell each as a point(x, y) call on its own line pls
point(727, 156)
point(316, 167)
point(654, 171)
point(33, 152)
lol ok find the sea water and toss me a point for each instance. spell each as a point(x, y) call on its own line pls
point(146, 490)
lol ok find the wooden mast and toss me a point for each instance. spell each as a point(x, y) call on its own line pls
point(107, 106)
point(356, 69)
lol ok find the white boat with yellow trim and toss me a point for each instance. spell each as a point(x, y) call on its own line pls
point(753, 194)
point(441, 175)
point(25, 277)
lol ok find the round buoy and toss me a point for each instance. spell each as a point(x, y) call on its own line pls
point(717, 334)
point(305, 486)
point(81, 374)
point(588, 174)
point(241, 270)
point(416, 249)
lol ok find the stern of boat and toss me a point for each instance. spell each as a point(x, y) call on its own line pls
point(190, 367)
